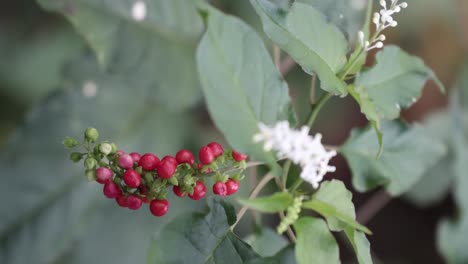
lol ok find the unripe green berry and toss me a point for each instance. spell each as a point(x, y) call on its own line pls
point(91, 134)
point(76, 156)
point(105, 148)
point(91, 175)
point(69, 142)
point(114, 148)
point(90, 163)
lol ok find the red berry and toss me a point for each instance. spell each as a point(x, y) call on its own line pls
point(166, 169)
point(120, 152)
point(200, 167)
point(216, 148)
point(111, 190)
point(185, 156)
point(132, 179)
point(237, 156)
point(122, 200)
point(199, 191)
point(159, 207)
point(103, 174)
point(135, 156)
point(143, 189)
point(134, 202)
point(148, 161)
point(146, 200)
point(220, 189)
point(125, 161)
point(170, 159)
point(206, 155)
point(232, 186)
point(178, 191)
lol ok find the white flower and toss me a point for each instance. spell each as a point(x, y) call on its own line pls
point(296, 145)
point(139, 10)
point(382, 20)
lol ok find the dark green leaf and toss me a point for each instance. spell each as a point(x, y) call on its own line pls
point(408, 152)
point(158, 52)
point(271, 204)
point(304, 33)
point(315, 244)
point(334, 202)
point(241, 84)
point(201, 238)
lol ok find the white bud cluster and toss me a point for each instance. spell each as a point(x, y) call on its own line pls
point(382, 20)
point(302, 149)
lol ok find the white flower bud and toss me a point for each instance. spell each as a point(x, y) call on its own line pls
point(139, 11)
point(105, 148)
point(404, 5)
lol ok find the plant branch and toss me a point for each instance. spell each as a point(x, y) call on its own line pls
point(286, 65)
point(376, 203)
point(316, 108)
point(254, 194)
point(277, 57)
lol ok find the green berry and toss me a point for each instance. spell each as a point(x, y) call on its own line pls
point(90, 163)
point(69, 142)
point(105, 148)
point(76, 156)
point(91, 134)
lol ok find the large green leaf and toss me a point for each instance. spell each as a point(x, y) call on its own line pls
point(201, 238)
point(334, 202)
point(55, 208)
point(394, 83)
point(315, 244)
point(409, 151)
point(241, 84)
point(277, 202)
point(158, 52)
point(285, 256)
point(266, 242)
point(434, 186)
point(304, 33)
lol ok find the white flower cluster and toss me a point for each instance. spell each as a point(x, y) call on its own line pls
point(302, 149)
point(382, 20)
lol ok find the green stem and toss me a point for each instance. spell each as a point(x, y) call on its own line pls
point(286, 167)
point(296, 184)
point(316, 108)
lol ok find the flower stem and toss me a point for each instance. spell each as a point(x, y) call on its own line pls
point(316, 108)
point(286, 167)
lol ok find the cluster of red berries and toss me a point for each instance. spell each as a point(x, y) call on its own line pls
point(133, 179)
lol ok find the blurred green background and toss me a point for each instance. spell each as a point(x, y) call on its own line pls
point(148, 98)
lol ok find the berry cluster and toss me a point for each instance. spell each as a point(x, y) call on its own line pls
point(133, 179)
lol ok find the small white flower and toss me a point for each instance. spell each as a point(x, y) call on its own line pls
point(89, 89)
point(139, 10)
point(296, 145)
point(382, 20)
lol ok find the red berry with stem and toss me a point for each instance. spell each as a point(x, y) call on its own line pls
point(134, 202)
point(125, 161)
point(232, 186)
point(178, 191)
point(111, 190)
point(103, 174)
point(216, 148)
point(166, 169)
point(170, 159)
point(185, 156)
point(199, 191)
point(220, 189)
point(206, 155)
point(159, 207)
point(135, 156)
point(120, 152)
point(132, 179)
point(148, 161)
point(237, 156)
point(121, 200)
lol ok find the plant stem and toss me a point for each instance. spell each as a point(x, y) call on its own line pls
point(316, 108)
point(254, 194)
point(289, 231)
point(378, 201)
point(296, 184)
point(286, 167)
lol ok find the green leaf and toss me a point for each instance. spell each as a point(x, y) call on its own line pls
point(409, 151)
point(452, 240)
point(277, 202)
point(334, 202)
point(304, 33)
point(360, 244)
point(394, 83)
point(315, 244)
point(58, 212)
point(158, 52)
point(201, 238)
point(285, 256)
point(434, 186)
point(266, 242)
point(241, 84)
